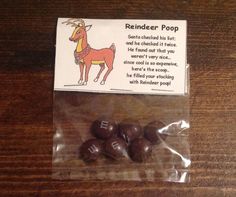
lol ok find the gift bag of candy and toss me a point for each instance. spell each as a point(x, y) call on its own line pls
point(121, 102)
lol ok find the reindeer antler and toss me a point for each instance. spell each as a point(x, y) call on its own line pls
point(72, 21)
point(81, 22)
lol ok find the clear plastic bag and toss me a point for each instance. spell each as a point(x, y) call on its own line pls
point(75, 112)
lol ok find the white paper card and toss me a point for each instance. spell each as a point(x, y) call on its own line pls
point(121, 56)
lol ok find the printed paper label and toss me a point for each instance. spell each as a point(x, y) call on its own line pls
point(121, 56)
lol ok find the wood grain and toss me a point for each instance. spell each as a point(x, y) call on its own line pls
point(27, 47)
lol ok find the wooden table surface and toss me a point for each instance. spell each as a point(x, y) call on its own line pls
point(27, 40)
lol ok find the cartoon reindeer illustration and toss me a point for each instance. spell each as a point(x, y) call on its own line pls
point(86, 56)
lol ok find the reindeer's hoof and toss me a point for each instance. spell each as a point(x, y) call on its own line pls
point(95, 80)
point(102, 82)
point(85, 83)
point(80, 82)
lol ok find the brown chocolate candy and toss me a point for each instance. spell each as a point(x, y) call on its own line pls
point(104, 129)
point(130, 130)
point(91, 150)
point(140, 150)
point(115, 148)
point(152, 132)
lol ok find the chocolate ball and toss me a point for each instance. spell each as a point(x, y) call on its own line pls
point(140, 150)
point(91, 150)
point(152, 132)
point(130, 130)
point(104, 129)
point(115, 148)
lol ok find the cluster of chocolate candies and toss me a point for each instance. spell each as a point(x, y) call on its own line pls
point(125, 139)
